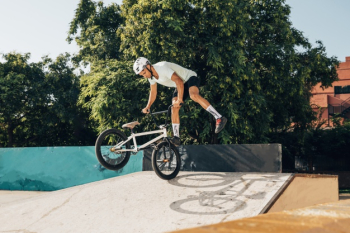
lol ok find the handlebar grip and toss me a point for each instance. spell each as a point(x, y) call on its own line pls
point(148, 111)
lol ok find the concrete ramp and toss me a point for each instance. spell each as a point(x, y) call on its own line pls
point(331, 217)
point(141, 202)
point(304, 190)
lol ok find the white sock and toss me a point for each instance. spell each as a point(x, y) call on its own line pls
point(176, 130)
point(213, 112)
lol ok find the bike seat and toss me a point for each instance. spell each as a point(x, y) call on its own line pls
point(130, 125)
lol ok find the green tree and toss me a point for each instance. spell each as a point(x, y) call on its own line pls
point(67, 123)
point(38, 103)
point(94, 30)
point(286, 75)
point(245, 53)
point(21, 94)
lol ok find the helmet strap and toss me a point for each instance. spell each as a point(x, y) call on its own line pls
point(150, 70)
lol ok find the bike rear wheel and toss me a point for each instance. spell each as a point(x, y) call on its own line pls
point(166, 161)
point(105, 149)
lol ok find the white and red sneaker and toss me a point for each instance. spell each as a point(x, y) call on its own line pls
point(220, 124)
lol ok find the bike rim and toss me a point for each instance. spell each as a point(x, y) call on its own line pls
point(166, 161)
point(108, 149)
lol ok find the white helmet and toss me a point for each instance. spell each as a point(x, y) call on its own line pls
point(140, 64)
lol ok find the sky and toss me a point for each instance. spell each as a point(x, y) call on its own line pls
point(40, 27)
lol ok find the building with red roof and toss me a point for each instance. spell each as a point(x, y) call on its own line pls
point(335, 99)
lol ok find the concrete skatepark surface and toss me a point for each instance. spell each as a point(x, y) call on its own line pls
point(331, 217)
point(141, 202)
point(7, 196)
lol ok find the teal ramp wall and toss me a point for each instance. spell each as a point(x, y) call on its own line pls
point(54, 168)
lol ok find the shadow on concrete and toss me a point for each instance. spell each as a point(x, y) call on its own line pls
point(344, 196)
point(233, 197)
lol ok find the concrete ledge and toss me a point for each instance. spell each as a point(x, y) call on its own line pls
point(305, 190)
point(227, 158)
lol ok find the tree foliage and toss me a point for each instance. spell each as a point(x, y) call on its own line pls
point(94, 29)
point(20, 83)
point(38, 103)
point(317, 150)
point(255, 67)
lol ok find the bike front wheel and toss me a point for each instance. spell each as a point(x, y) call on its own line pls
point(166, 161)
point(106, 151)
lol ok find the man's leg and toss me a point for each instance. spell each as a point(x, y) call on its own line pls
point(175, 120)
point(195, 96)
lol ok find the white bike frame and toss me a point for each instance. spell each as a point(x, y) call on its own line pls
point(133, 136)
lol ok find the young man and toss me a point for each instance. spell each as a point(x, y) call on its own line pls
point(185, 82)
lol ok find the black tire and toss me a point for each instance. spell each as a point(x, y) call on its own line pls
point(108, 158)
point(164, 168)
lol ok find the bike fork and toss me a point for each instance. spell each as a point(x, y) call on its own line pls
point(170, 154)
point(168, 140)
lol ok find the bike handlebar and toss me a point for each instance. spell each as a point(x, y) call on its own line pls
point(156, 113)
point(165, 111)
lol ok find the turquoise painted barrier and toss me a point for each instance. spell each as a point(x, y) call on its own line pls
point(54, 168)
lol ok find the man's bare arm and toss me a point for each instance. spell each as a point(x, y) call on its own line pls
point(152, 97)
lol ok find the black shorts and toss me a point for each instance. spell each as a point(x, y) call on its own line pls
point(192, 81)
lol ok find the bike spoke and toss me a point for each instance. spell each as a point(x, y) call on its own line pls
point(170, 158)
point(165, 163)
point(162, 165)
point(108, 149)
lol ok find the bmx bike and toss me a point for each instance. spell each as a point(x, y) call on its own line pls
point(113, 148)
